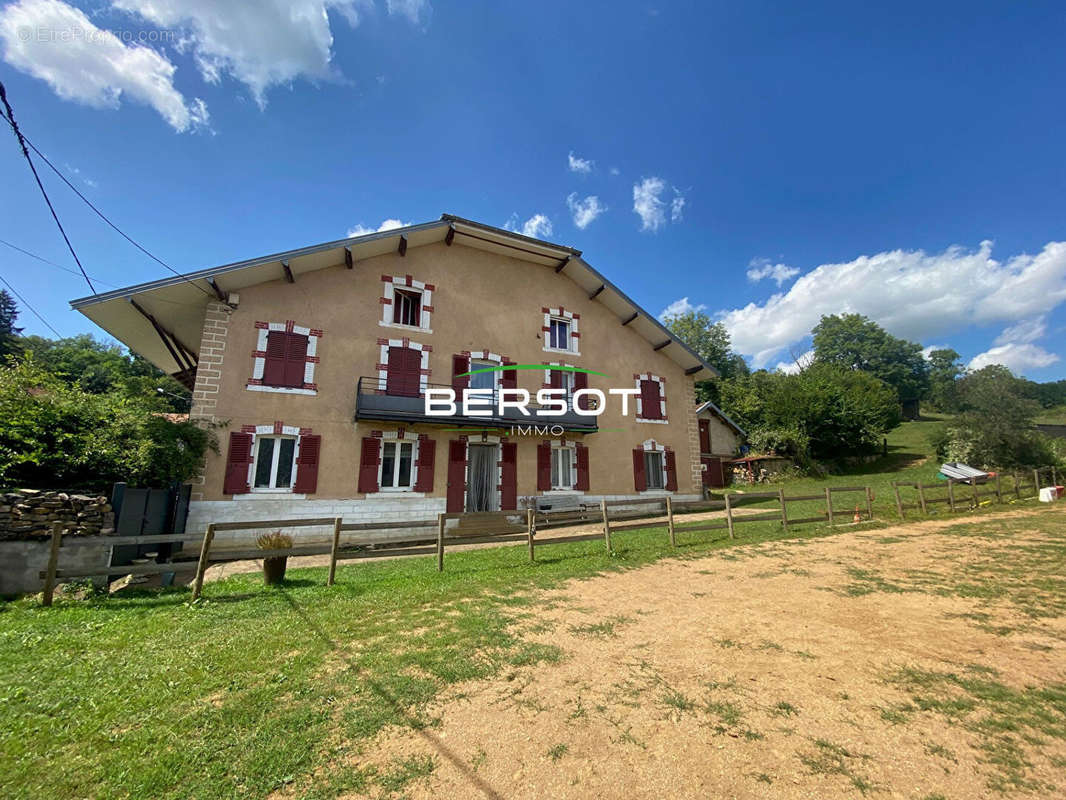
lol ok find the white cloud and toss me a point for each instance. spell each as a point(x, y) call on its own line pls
point(386, 225)
point(538, 226)
point(584, 211)
point(261, 44)
point(1015, 356)
point(911, 293)
point(648, 203)
point(759, 269)
point(1028, 330)
point(677, 206)
point(615, 171)
point(797, 364)
point(95, 68)
point(416, 11)
point(582, 165)
point(678, 307)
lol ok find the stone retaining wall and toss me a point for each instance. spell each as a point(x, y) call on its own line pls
point(28, 514)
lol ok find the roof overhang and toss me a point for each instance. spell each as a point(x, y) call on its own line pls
point(163, 320)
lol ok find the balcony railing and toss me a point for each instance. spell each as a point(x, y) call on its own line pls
point(375, 400)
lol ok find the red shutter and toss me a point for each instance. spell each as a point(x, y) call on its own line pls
point(640, 482)
point(295, 359)
point(582, 468)
point(368, 465)
point(456, 475)
point(649, 400)
point(509, 477)
point(544, 467)
point(705, 436)
point(307, 464)
point(581, 381)
point(671, 471)
point(237, 460)
point(460, 364)
point(427, 457)
point(556, 379)
point(403, 372)
point(510, 376)
point(274, 366)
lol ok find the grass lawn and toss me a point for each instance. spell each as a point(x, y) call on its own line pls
point(254, 689)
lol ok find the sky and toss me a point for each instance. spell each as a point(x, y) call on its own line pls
point(766, 163)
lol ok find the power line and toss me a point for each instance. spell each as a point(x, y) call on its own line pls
point(10, 117)
point(10, 120)
point(31, 308)
point(50, 263)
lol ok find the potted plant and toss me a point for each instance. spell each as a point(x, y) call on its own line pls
point(274, 566)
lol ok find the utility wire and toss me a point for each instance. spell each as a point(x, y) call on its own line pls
point(31, 308)
point(50, 263)
point(89, 203)
point(10, 117)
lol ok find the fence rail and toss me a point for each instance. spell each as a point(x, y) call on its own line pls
point(423, 537)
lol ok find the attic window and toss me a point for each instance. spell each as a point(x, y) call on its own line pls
point(407, 307)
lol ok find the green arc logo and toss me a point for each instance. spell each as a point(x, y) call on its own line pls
point(509, 367)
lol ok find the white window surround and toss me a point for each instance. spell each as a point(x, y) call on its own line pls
point(269, 431)
point(487, 355)
point(388, 301)
point(259, 365)
point(399, 437)
point(564, 316)
point(383, 374)
point(651, 446)
point(647, 376)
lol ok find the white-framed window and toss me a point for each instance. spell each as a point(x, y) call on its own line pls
point(564, 467)
point(406, 303)
point(275, 463)
point(655, 469)
point(560, 330)
point(559, 334)
point(397, 470)
point(407, 307)
point(484, 380)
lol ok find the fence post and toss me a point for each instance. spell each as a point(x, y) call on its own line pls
point(333, 551)
point(1036, 483)
point(829, 505)
point(670, 521)
point(53, 560)
point(921, 498)
point(1054, 476)
point(784, 513)
point(729, 514)
point(999, 490)
point(869, 504)
point(951, 493)
point(899, 503)
point(976, 496)
point(201, 566)
point(531, 527)
point(606, 526)
point(1017, 488)
point(440, 543)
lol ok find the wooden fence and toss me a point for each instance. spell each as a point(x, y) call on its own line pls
point(970, 494)
point(611, 517)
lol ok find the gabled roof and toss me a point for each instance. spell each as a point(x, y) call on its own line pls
point(162, 320)
point(709, 406)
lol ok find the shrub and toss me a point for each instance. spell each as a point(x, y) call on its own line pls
point(274, 541)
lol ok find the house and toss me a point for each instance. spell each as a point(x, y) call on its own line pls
point(317, 363)
point(720, 438)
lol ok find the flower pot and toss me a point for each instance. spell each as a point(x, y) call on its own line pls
point(274, 569)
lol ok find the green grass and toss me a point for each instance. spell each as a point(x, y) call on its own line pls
point(256, 688)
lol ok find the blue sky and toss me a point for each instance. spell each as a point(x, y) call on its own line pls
point(768, 162)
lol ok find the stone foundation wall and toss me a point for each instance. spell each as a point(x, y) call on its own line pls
point(28, 514)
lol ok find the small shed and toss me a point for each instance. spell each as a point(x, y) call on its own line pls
point(720, 439)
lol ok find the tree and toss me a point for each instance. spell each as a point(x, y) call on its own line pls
point(995, 426)
point(945, 369)
point(823, 412)
point(854, 342)
point(57, 435)
point(710, 341)
point(9, 333)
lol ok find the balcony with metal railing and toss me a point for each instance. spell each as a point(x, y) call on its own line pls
point(378, 399)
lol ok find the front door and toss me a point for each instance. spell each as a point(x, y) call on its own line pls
point(481, 480)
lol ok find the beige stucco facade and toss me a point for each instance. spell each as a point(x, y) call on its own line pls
point(481, 301)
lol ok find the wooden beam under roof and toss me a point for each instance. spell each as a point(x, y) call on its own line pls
point(218, 292)
point(693, 370)
point(630, 319)
point(661, 345)
point(562, 264)
point(288, 272)
point(179, 354)
point(402, 249)
point(596, 293)
point(449, 237)
point(349, 259)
